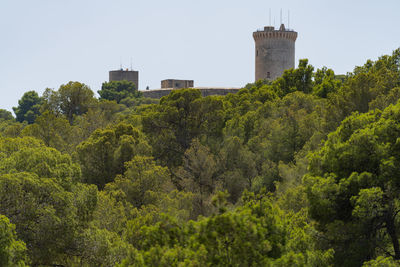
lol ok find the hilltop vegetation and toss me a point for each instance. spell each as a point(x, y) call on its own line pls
point(301, 171)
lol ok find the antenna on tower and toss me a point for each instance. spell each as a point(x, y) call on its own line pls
point(281, 16)
point(269, 16)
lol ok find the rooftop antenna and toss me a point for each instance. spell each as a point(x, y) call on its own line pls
point(269, 16)
point(288, 18)
point(131, 63)
point(281, 16)
point(274, 21)
point(120, 62)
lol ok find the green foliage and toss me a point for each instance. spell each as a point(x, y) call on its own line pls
point(12, 251)
point(179, 118)
point(299, 79)
point(100, 247)
point(118, 90)
point(71, 99)
point(100, 115)
point(198, 175)
point(135, 102)
point(103, 154)
point(255, 234)
point(353, 185)
point(10, 128)
point(382, 262)
point(325, 82)
point(30, 155)
point(5, 115)
point(28, 107)
point(369, 86)
point(238, 166)
point(52, 130)
point(43, 213)
point(142, 182)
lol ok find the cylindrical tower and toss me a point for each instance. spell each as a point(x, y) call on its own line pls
point(274, 51)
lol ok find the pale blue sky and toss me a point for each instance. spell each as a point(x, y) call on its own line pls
point(46, 43)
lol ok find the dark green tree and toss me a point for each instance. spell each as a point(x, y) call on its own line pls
point(353, 187)
point(118, 90)
point(179, 118)
point(28, 107)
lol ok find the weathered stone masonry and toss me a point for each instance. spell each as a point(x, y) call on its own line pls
point(275, 51)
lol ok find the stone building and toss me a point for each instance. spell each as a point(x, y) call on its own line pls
point(127, 75)
point(176, 84)
point(275, 50)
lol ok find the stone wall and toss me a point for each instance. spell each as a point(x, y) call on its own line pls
point(176, 84)
point(205, 91)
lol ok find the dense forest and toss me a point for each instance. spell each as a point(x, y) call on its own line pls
point(300, 171)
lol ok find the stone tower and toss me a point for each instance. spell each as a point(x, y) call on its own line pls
point(274, 51)
point(128, 75)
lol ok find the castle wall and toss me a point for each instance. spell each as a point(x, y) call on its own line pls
point(176, 84)
point(204, 92)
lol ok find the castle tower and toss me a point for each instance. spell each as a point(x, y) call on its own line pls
point(274, 51)
point(128, 75)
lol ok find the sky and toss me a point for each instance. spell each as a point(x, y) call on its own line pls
point(47, 43)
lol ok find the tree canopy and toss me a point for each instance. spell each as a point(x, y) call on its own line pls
point(118, 90)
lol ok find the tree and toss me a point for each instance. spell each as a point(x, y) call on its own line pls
point(369, 86)
point(353, 186)
point(299, 79)
point(40, 194)
point(198, 175)
point(71, 99)
point(143, 182)
point(325, 82)
point(99, 116)
point(28, 107)
point(12, 251)
point(238, 167)
point(255, 234)
point(52, 130)
point(30, 155)
point(118, 90)
point(5, 115)
point(179, 118)
point(103, 155)
point(43, 213)
point(100, 247)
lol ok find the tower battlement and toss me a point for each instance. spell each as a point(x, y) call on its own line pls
point(268, 33)
point(275, 51)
